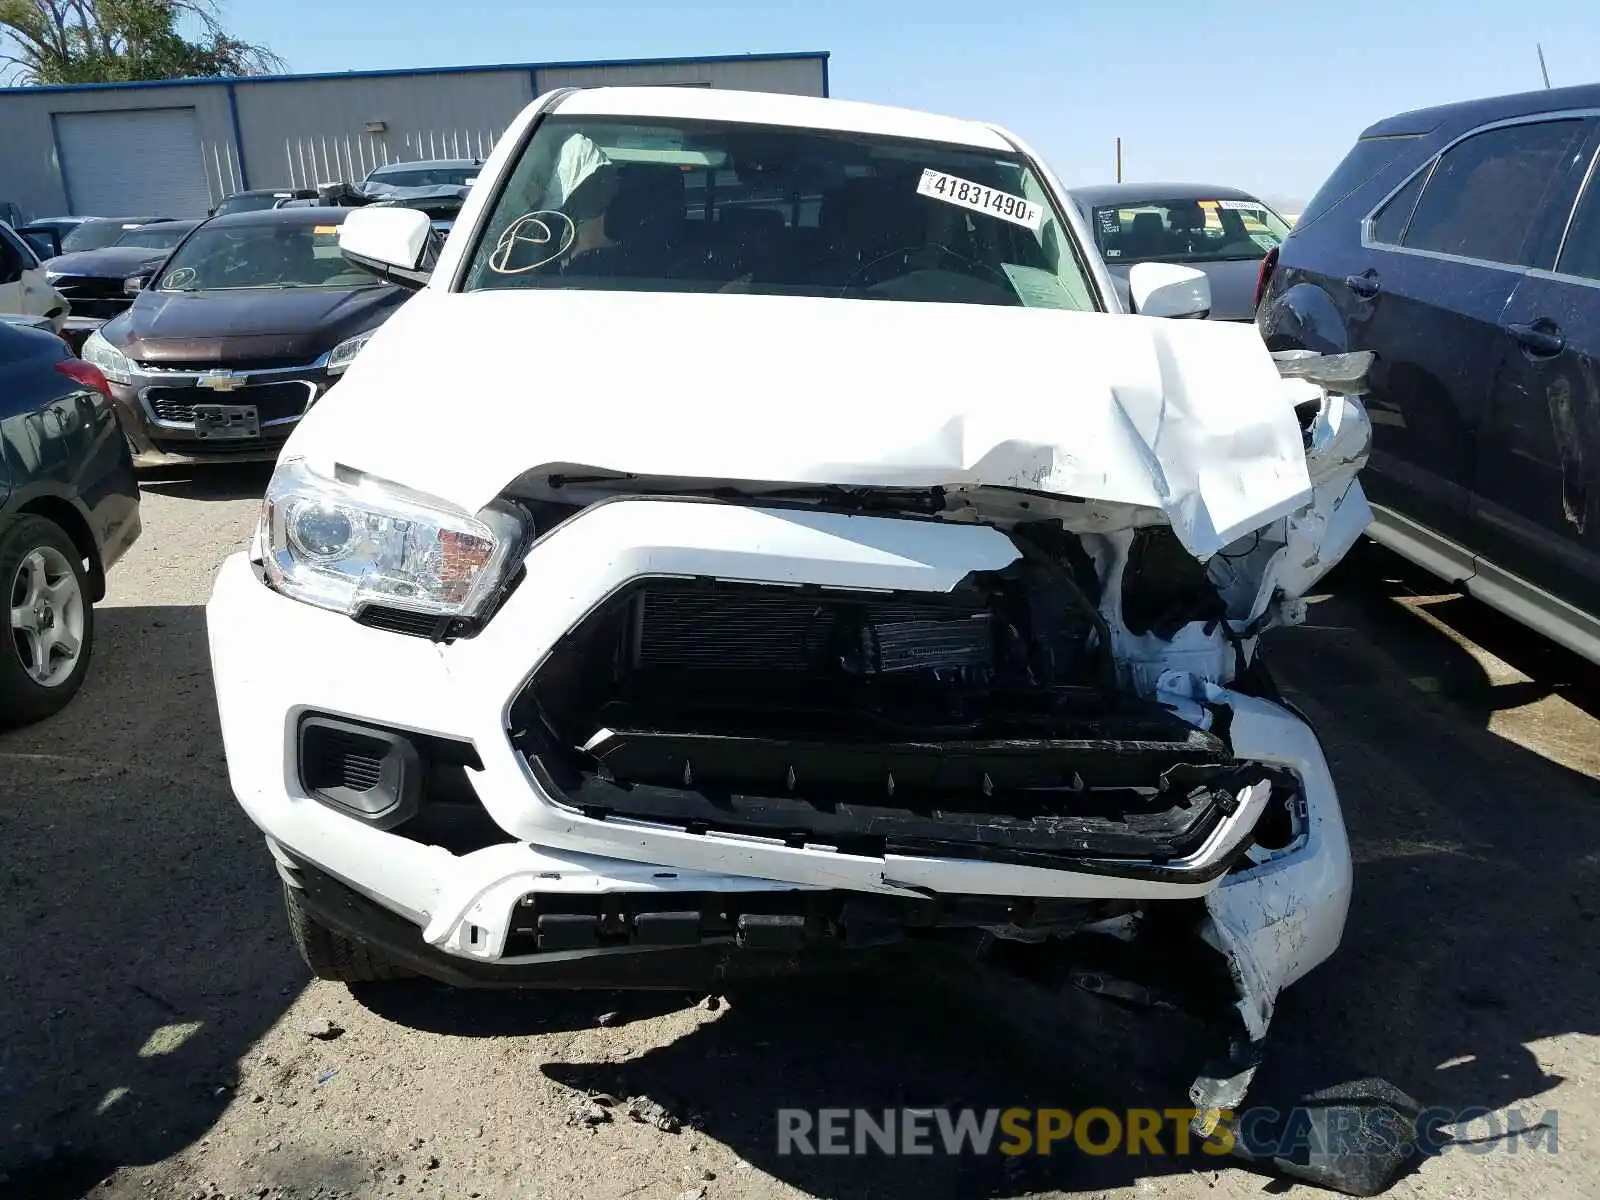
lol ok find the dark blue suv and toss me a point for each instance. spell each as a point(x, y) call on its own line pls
point(1461, 245)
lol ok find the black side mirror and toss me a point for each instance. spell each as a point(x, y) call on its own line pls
point(46, 243)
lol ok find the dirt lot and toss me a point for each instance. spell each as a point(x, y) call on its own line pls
point(156, 1027)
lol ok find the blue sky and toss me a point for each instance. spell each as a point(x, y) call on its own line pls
point(1259, 96)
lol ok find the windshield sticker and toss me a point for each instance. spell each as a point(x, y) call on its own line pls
point(1239, 205)
point(1110, 220)
point(974, 196)
point(179, 279)
point(1037, 288)
point(324, 229)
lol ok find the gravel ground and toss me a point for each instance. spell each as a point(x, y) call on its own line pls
point(159, 1037)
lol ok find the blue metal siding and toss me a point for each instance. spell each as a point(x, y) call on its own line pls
point(408, 72)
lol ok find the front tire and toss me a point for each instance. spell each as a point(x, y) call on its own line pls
point(48, 620)
point(331, 955)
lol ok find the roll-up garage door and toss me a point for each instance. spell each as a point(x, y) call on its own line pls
point(141, 162)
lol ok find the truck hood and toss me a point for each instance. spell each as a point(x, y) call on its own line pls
point(459, 394)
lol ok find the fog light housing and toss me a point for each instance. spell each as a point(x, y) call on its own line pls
point(373, 774)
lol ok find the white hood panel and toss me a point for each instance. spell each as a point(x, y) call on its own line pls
point(458, 394)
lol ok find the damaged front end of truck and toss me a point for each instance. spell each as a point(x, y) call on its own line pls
point(1094, 709)
point(717, 690)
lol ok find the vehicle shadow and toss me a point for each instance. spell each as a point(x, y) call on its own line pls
point(1473, 931)
point(208, 481)
point(148, 945)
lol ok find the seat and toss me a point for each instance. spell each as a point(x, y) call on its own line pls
point(1146, 237)
point(644, 223)
point(867, 219)
point(750, 241)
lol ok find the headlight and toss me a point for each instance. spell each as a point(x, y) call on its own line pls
point(113, 363)
point(342, 355)
point(346, 542)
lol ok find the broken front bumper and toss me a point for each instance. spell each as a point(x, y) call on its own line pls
point(280, 665)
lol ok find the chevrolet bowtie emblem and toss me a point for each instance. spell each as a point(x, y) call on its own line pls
point(221, 381)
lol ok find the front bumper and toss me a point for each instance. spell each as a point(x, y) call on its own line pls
point(275, 660)
point(156, 410)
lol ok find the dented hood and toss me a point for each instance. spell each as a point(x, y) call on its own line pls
point(458, 394)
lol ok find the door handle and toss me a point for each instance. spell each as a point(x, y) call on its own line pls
point(1540, 339)
point(1365, 286)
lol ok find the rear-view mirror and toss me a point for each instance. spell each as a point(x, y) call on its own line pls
point(1168, 290)
point(392, 243)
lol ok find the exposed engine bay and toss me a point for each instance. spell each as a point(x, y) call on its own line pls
point(1054, 709)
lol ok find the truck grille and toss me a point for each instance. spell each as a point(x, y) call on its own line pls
point(795, 633)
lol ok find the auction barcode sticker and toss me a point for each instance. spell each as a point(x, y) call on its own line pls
point(966, 194)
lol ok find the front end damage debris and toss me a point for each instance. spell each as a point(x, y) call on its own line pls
point(1072, 708)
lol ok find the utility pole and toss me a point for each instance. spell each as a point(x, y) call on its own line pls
point(1119, 144)
point(1543, 70)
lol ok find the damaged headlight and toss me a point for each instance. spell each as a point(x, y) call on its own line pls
point(348, 540)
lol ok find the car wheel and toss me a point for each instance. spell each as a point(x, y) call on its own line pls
point(49, 620)
point(331, 955)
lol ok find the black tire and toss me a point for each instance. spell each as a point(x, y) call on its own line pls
point(24, 700)
point(331, 955)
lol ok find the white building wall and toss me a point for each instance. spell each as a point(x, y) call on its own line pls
point(299, 132)
point(30, 168)
point(303, 132)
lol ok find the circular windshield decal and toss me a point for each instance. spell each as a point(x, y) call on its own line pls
point(530, 236)
point(181, 278)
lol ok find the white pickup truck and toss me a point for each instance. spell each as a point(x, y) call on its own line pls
point(763, 536)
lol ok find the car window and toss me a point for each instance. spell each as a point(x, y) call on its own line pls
point(249, 202)
point(11, 261)
point(424, 176)
point(1186, 231)
point(1580, 253)
point(1484, 196)
point(154, 237)
point(1389, 224)
point(24, 255)
point(232, 257)
point(721, 206)
point(92, 235)
point(1368, 158)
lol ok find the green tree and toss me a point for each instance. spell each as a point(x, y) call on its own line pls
point(117, 41)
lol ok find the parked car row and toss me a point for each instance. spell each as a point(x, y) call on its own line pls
point(202, 340)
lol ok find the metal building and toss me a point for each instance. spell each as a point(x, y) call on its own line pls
point(175, 148)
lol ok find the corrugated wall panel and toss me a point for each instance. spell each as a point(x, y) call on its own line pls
point(307, 132)
point(796, 77)
point(30, 171)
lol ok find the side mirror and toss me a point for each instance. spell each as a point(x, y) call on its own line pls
point(1168, 290)
point(392, 243)
point(46, 243)
point(133, 285)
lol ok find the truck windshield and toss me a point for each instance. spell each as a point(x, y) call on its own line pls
point(712, 206)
